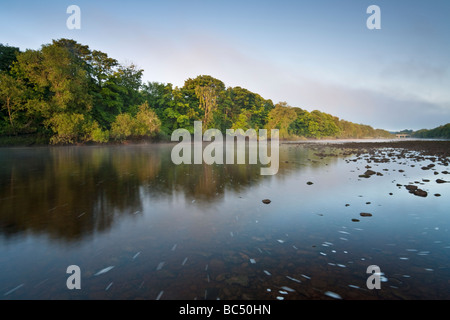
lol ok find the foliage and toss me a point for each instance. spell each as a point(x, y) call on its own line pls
point(441, 132)
point(144, 124)
point(7, 57)
point(69, 94)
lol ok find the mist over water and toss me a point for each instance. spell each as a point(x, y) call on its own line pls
point(140, 227)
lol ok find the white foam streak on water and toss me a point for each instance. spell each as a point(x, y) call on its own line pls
point(104, 270)
point(293, 279)
point(136, 255)
point(159, 295)
point(12, 290)
point(333, 295)
point(160, 266)
point(287, 289)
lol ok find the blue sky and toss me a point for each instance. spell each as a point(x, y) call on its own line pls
point(311, 54)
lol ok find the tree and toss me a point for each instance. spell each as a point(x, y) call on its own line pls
point(7, 57)
point(57, 77)
point(147, 122)
point(280, 118)
point(144, 124)
point(70, 128)
point(442, 132)
point(206, 93)
point(122, 127)
point(11, 97)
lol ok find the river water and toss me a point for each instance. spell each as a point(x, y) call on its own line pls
point(140, 227)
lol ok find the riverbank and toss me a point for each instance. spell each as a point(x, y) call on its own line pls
point(438, 148)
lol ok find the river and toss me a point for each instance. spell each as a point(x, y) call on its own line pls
point(140, 227)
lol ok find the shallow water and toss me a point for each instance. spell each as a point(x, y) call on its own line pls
point(140, 227)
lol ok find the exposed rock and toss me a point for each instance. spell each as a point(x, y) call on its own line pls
point(420, 193)
point(365, 214)
point(266, 201)
point(309, 183)
point(355, 220)
point(411, 187)
point(440, 181)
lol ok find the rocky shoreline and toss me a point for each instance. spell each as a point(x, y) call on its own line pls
point(438, 148)
point(425, 154)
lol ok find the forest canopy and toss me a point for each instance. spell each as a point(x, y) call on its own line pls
point(66, 93)
point(441, 132)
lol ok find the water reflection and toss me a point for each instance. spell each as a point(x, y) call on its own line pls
point(202, 231)
point(70, 192)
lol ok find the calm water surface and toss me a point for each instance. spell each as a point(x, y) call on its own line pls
point(140, 227)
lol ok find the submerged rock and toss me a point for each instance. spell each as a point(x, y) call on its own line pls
point(241, 280)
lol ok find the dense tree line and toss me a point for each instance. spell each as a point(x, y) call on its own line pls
point(67, 93)
point(441, 132)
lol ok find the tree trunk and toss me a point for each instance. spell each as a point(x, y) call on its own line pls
point(9, 113)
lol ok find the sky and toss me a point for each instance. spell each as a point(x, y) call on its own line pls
point(315, 55)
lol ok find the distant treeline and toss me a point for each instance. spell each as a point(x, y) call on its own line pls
point(442, 132)
point(66, 93)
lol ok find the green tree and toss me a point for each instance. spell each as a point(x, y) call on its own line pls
point(7, 57)
point(147, 122)
point(122, 127)
point(280, 118)
point(11, 99)
point(70, 128)
point(206, 94)
point(144, 124)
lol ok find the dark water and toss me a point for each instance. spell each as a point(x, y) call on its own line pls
point(202, 231)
